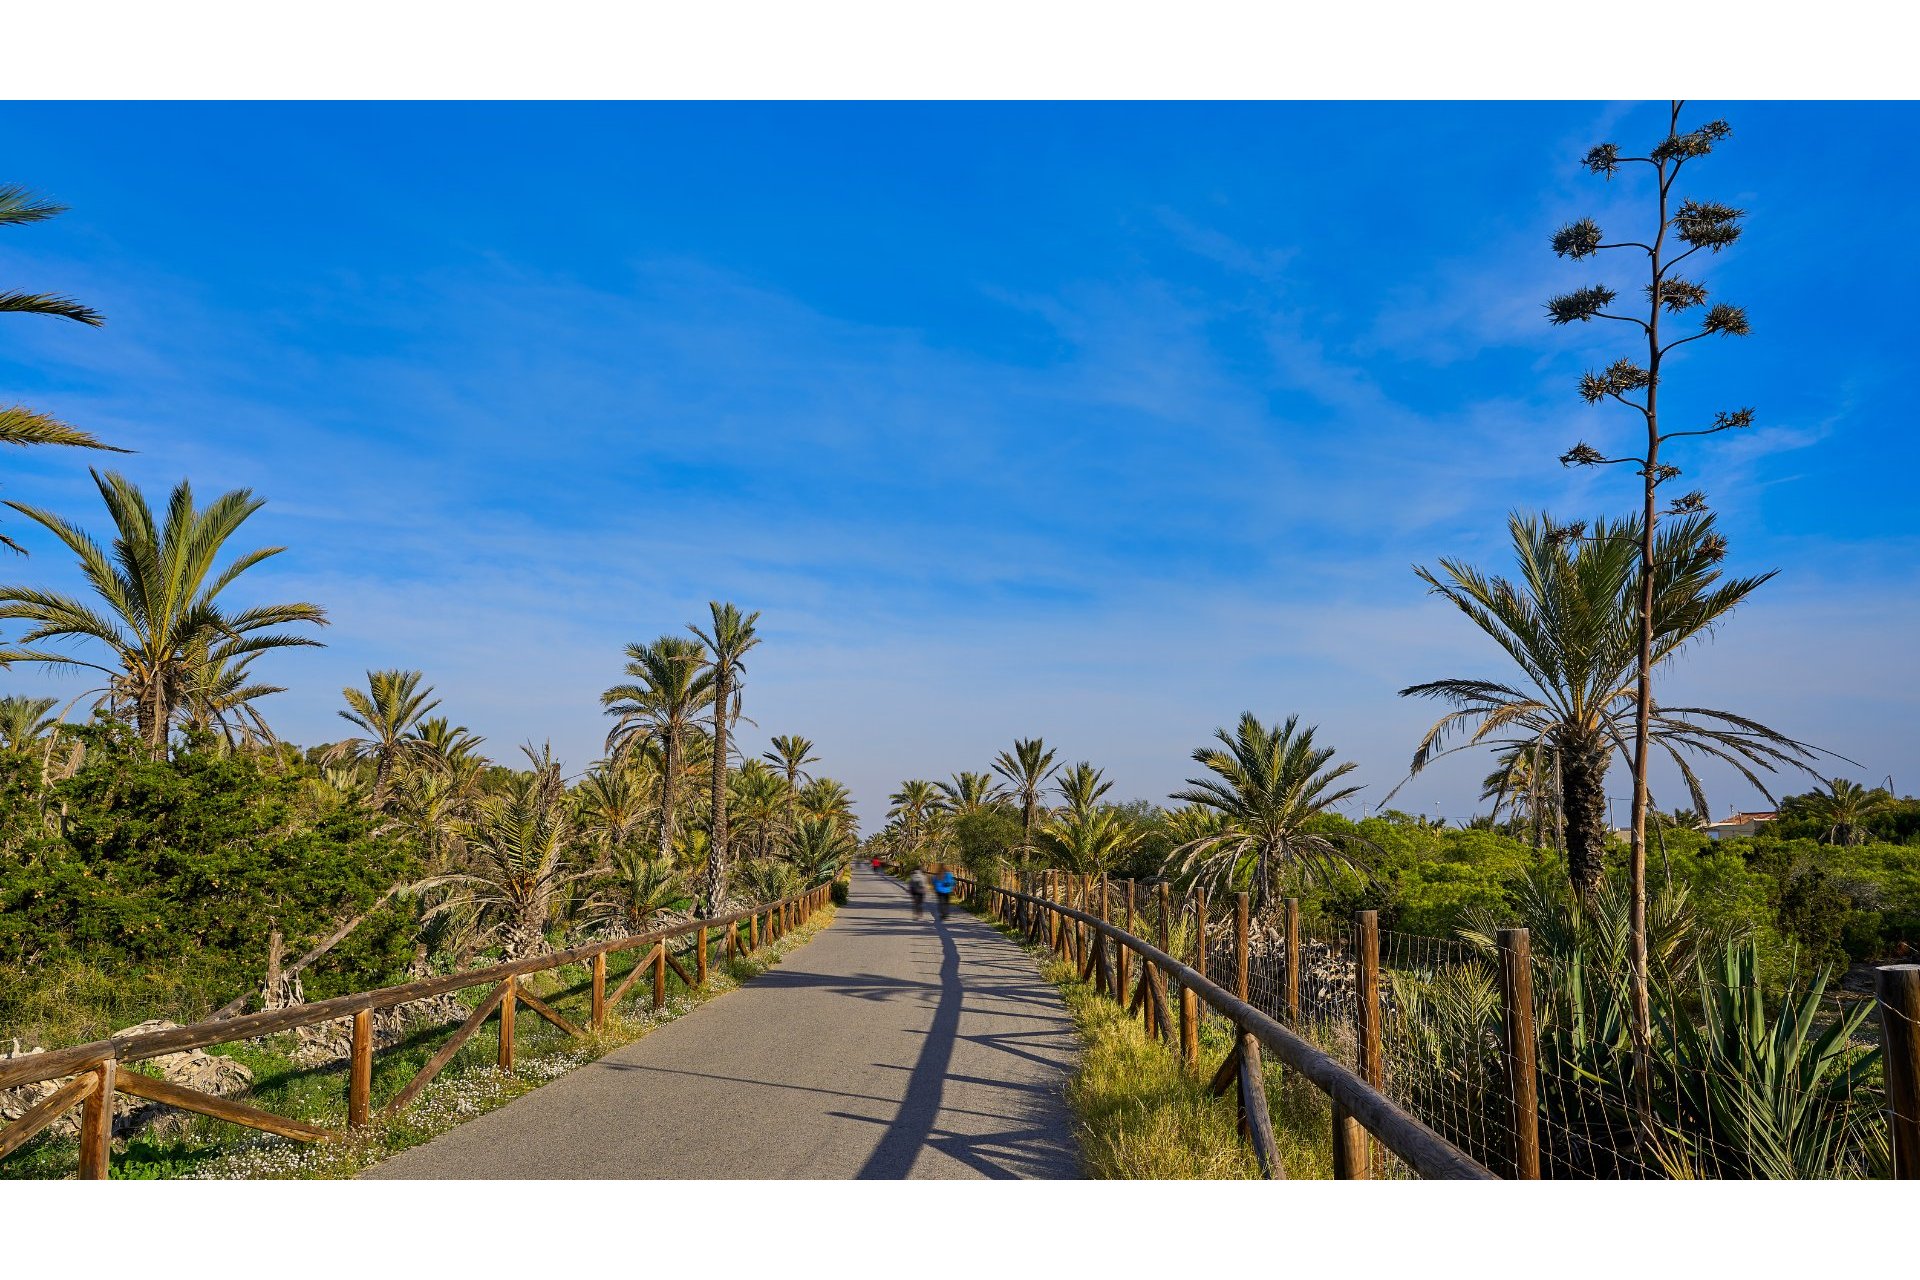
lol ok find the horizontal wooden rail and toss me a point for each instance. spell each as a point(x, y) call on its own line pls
point(1425, 1152)
point(64, 1062)
point(93, 1064)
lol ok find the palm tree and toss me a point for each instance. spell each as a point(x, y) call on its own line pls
point(1845, 808)
point(1268, 786)
point(1571, 625)
point(1527, 785)
point(642, 884)
point(825, 798)
point(1026, 768)
point(969, 793)
point(1081, 786)
point(164, 620)
point(793, 754)
point(518, 860)
point(24, 721)
point(670, 690)
point(759, 801)
point(449, 744)
point(1088, 841)
point(386, 713)
point(914, 806)
point(613, 806)
point(727, 644)
point(221, 700)
point(819, 849)
point(434, 804)
point(20, 425)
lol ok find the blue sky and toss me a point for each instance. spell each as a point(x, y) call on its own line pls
point(1103, 423)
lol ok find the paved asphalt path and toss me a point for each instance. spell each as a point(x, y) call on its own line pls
point(887, 1047)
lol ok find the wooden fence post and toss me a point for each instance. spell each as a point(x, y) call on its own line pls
point(360, 1071)
point(1240, 960)
point(733, 941)
point(1516, 994)
point(505, 1058)
point(599, 1016)
point(1293, 960)
point(659, 976)
point(753, 932)
point(700, 969)
point(1372, 1065)
point(96, 1123)
point(1898, 989)
point(1122, 953)
point(1165, 895)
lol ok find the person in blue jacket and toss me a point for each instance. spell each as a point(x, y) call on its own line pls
point(943, 888)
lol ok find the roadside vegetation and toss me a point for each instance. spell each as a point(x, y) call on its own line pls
point(289, 1085)
point(165, 855)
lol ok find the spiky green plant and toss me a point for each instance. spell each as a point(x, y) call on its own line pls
point(1751, 1094)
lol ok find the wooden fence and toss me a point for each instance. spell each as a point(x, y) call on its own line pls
point(1360, 1110)
point(96, 1078)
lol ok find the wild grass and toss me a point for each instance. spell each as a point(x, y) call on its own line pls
point(470, 1086)
point(1141, 1113)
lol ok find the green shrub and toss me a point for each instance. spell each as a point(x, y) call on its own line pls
point(168, 876)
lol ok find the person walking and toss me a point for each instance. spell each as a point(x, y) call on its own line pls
point(943, 888)
point(917, 886)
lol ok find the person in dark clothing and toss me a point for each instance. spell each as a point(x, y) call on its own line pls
point(943, 888)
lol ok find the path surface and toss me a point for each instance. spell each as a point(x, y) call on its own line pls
point(887, 1047)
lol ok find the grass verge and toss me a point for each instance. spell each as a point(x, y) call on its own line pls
point(470, 1086)
point(1140, 1113)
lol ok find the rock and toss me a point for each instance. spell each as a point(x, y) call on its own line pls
point(191, 1069)
point(328, 1042)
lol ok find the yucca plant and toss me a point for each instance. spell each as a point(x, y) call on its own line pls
point(1584, 1006)
point(1753, 1096)
point(1447, 1031)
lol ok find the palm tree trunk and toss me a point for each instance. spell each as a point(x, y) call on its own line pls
point(1583, 790)
point(669, 778)
point(714, 886)
point(157, 717)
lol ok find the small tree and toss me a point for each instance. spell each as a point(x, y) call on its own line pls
point(1680, 230)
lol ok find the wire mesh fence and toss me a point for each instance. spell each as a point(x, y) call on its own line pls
point(1738, 1082)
